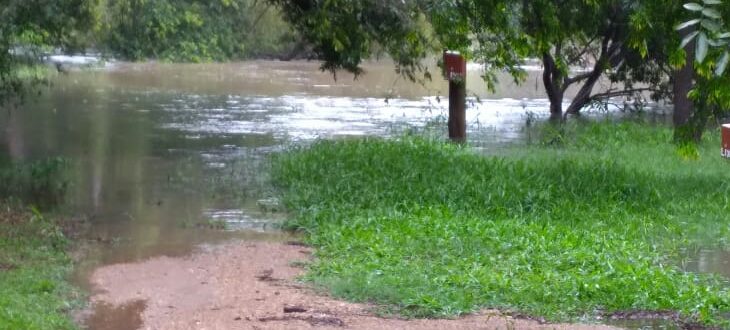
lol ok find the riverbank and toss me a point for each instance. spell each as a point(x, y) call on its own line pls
point(34, 266)
point(587, 222)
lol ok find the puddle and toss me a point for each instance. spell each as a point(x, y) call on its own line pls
point(708, 261)
point(644, 324)
point(124, 317)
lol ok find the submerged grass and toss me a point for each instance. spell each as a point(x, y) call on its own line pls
point(586, 226)
point(34, 293)
point(42, 183)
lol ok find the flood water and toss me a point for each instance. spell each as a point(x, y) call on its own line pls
point(166, 157)
point(708, 261)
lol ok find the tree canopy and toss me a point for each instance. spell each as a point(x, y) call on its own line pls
point(633, 44)
point(345, 32)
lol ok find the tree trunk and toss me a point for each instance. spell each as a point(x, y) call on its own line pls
point(683, 82)
point(551, 78)
point(683, 106)
point(584, 94)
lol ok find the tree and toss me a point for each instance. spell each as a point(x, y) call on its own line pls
point(591, 35)
point(30, 27)
point(501, 34)
point(192, 30)
point(666, 64)
point(708, 43)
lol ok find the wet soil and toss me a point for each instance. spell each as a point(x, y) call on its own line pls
point(246, 286)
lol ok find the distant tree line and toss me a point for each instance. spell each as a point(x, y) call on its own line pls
point(167, 30)
point(170, 30)
point(192, 30)
point(29, 28)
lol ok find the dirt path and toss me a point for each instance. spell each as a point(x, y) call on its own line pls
point(244, 286)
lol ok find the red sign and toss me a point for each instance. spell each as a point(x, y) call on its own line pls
point(454, 65)
point(726, 141)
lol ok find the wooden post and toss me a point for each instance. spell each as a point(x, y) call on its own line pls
point(726, 141)
point(455, 72)
point(457, 111)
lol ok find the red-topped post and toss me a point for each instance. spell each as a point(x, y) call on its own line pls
point(455, 72)
point(726, 141)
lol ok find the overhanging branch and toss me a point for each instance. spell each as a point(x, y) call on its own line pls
point(618, 93)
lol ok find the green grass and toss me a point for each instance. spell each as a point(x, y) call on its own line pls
point(592, 223)
point(34, 293)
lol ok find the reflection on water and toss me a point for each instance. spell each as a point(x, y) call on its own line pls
point(708, 261)
point(124, 317)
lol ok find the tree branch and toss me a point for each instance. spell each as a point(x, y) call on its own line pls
point(584, 94)
point(583, 51)
point(572, 80)
point(616, 93)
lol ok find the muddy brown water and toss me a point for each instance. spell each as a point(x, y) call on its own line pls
point(163, 156)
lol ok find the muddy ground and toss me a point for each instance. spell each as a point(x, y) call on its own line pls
point(245, 286)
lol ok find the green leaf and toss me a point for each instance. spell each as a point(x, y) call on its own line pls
point(702, 45)
point(716, 42)
point(711, 25)
point(711, 13)
point(688, 39)
point(711, 2)
point(692, 6)
point(722, 64)
point(687, 24)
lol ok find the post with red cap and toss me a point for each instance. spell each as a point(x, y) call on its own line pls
point(455, 72)
point(726, 141)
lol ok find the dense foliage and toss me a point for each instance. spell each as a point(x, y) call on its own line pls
point(30, 27)
point(193, 30)
point(709, 38)
point(581, 229)
point(343, 31)
point(189, 31)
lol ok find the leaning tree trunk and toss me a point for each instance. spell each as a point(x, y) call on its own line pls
point(610, 49)
point(583, 97)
